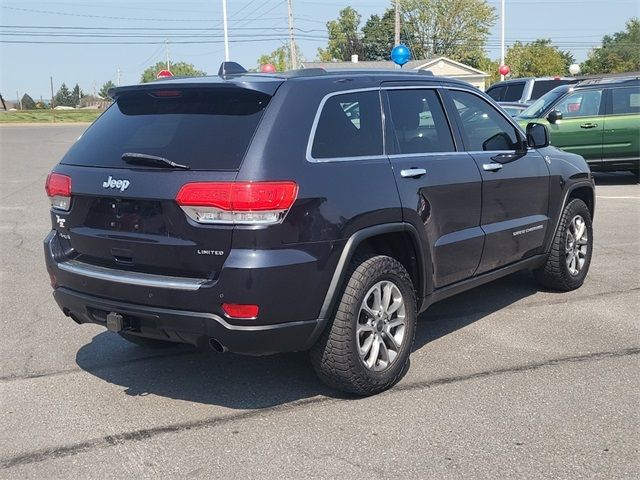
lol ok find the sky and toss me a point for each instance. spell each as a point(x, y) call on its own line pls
point(33, 45)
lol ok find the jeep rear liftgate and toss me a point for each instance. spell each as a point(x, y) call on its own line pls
point(115, 192)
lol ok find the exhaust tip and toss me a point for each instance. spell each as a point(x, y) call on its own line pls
point(217, 346)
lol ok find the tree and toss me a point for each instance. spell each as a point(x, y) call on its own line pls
point(280, 58)
point(179, 69)
point(457, 29)
point(76, 95)
point(378, 36)
point(619, 52)
point(491, 67)
point(64, 97)
point(104, 91)
point(27, 103)
point(537, 59)
point(344, 39)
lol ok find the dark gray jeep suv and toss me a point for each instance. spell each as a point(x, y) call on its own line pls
point(311, 210)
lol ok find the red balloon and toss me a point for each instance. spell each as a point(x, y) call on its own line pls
point(504, 70)
point(268, 68)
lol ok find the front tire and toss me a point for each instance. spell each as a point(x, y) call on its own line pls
point(570, 256)
point(365, 349)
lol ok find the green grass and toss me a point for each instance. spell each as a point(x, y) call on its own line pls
point(49, 116)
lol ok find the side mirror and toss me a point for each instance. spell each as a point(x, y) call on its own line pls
point(554, 116)
point(537, 135)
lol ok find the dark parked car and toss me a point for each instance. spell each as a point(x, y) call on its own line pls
point(598, 119)
point(310, 210)
point(527, 89)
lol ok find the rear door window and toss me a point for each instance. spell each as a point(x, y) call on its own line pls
point(349, 126)
point(419, 122)
point(625, 101)
point(497, 93)
point(203, 128)
point(514, 92)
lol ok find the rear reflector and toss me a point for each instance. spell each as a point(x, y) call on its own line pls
point(237, 202)
point(235, 310)
point(58, 188)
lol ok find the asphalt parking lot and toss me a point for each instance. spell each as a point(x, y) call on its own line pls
point(506, 381)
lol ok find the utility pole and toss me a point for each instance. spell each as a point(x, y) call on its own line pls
point(292, 43)
point(396, 40)
point(53, 101)
point(166, 48)
point(502, 37)
point(226, 30)
point(118, 77)
point(18, 102)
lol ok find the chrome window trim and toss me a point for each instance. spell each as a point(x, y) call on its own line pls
point(131, 278)
point(316, 120)
point(426, 154)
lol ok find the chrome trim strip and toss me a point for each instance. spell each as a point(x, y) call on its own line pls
point(316, 120)
point(411, 87)
point(131, 278)
point(427, 155)
point(625, 159)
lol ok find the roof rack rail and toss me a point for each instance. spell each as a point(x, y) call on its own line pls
point(608, 80)
point(231, 68)
point(305, 72)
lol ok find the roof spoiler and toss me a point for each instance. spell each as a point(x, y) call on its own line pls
point(231, 68)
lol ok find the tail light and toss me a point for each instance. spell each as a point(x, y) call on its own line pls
point(245, 312)
point(58, 189)
point(237, 203)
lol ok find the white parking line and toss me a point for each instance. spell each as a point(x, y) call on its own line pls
point(632, 197)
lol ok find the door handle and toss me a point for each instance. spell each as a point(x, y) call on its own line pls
point(491, 167)
point(589, 125)
point(412, 172)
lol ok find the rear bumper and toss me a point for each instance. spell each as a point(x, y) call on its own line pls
point(284, 283)
point(196, 328)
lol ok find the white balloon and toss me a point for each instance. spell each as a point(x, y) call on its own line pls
point(574, 69)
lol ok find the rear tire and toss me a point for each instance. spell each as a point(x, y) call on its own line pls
point(365, 349)
point(570, 257)
point(146, 342)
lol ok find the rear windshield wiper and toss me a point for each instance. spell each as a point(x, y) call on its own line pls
point(144, 159)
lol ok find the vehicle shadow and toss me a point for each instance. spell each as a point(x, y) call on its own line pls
point(241, 382)
point(615, 178)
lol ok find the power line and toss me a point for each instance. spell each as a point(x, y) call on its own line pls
point(154, 29)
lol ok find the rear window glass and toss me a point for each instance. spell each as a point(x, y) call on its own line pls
point(514, 92)
point(540, 87)
point(206, 129)
point(350, 125)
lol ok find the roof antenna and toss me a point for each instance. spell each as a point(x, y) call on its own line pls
point(231, 68)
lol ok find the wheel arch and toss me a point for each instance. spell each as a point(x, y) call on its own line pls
point(398, 240)
point(584, 192)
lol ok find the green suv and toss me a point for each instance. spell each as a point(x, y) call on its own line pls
point(598, 119)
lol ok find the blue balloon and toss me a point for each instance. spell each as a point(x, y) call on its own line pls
point(400, 54)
